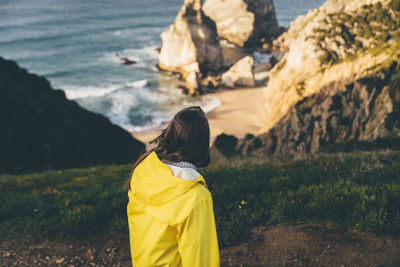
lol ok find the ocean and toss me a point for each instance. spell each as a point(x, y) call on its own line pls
point(73, 44)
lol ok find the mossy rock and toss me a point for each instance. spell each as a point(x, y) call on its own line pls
point(358, 44)
point(374, 25)
point(395, 5)
point(325, 58)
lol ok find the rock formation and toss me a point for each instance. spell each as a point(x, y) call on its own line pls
point(341, 41)
point(244, 22)
point(191, 45)
point(225, 145)
point(240, 74)
point(366, 109)
point(338, 81)
point(41, 129)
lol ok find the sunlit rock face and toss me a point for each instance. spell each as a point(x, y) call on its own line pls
point(243, 22)
point(191, 44)
point(341, 41)
point(365, 109)
point(240, 74)
point(338, 80)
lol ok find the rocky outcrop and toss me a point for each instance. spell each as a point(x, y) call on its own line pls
point(41, 129)
point(244, 22)
point(191, 45)
point(338, 81)
point(225, 145)
point(240, 74)
point(342, 41)
point(366, 109)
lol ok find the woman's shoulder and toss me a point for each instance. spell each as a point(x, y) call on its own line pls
point(202, 191)
point(197, 193)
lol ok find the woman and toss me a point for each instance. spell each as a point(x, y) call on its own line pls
point(170, 210)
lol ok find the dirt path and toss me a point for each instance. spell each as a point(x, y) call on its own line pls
point(312, 245)
point(293, 245)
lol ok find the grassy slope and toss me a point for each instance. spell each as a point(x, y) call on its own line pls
point(360, 190)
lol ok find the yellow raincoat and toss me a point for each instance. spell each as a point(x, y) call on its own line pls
point(171, 220)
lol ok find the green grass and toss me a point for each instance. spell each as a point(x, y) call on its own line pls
point(359, 190)
point(396, 76)
point(364, 145)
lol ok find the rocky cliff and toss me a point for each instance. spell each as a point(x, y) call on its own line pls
point(41, 129)
point(342, 41)
point(191, 45)
point(365, 109)
point(244, 22)
point(339, 80)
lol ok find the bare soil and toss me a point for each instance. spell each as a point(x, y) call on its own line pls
point(301, 244)
point(312, 245)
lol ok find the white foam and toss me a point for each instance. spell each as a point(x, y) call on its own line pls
point(156, 123)
point(137, 95)
point(122, 101)
point(145, 57)
point(143, 52)
point(77, 92)
point(137, 84)
point(172, 104)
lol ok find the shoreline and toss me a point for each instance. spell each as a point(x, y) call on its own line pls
point(241, 112)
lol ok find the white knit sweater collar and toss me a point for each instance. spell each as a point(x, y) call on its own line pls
point(182, 164)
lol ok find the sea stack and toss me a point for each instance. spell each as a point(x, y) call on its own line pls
point(191, 45)
point(244, 22)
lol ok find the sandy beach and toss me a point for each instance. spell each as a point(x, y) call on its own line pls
point(241, 112)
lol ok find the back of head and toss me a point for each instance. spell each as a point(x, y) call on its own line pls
point(186, 138)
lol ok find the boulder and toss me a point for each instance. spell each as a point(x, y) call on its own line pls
point(225, 145)
point(41, 129)
point(244, 22)
point(211, 82)
point(192, 83)
point(191, 44)
point(240, 74)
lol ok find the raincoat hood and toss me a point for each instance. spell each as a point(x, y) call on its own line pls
point(154, 183)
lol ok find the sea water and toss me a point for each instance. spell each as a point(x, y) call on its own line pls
point(73, 44)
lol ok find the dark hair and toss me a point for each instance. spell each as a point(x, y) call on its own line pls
point(186, 138)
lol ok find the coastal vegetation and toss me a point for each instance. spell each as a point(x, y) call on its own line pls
point(360, 190)
point(342, 36)
point(330, 153)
